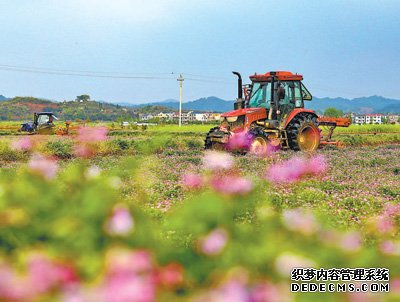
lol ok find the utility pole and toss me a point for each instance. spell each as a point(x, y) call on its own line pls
point(180, 79)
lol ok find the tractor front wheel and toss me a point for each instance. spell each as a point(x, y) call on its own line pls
point(208, 144)
point(259, 141)
point(303, 133)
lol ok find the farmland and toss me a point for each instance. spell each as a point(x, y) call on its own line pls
point(149, 214)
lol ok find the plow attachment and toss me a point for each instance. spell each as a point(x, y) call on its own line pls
point(330, 123)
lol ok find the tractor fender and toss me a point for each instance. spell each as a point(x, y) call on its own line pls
point(287, 118)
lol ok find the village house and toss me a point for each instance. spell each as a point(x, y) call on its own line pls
point(360, 119)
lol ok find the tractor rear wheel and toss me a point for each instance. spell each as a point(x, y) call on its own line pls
point(303, 133)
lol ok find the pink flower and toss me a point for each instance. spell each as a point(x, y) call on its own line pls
point(239, 141)
point(22, 144)
point(129, 288)
point(171, 275)
point(317, 165)
point(391, 209)
point(46, 167)
point(121, 222)
point(129, 277)
point(384, 224)
point(395, 285)
point(214, 242)
point(122, 261)
point(92, 134)
point(300, 221)
point(83, 151)
point(45, 274)
point(350, 242)
point(231, 185)
point(295, 168)
point(232, 291)
point(192, 181)
point(12, 287)
point(214, 160)
point(390, 248)
point(266, 292)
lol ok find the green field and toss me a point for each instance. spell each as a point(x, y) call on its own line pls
point(194, 226)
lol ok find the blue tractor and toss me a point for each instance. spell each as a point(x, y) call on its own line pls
point(42, 123)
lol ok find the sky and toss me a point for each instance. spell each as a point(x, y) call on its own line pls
point(343, 48)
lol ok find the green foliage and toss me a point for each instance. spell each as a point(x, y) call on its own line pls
point(333, 112)
point(59, 148)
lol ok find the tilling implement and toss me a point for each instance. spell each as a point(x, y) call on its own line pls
point(271, 110)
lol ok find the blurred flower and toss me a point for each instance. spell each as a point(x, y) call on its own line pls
point(231, 185)
point(192, 181)
point(395, 285)
point(121, 222)
point(286, 262)
point(232, 291)
point(22, 144)
point(295, 168)
point(124, 261)
point(214, 160)
point(12, 287)
point(46, 167)
point(129, 288)
point(92, 134)
point(350, 242)
point(93, 172)
point(389, 247)
point(266, 292)
point(214, 242)
point(300, 220)
point(129, 277)
point(83, 151)
point(391, 209)
point(317, 164)
point(115, 182)
point(45, 274)
point(170, 275)
point(384, 224)
point(239, 141)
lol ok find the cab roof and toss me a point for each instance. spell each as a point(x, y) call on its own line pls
point(279, 75)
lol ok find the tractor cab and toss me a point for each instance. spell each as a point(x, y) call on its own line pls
point(290, 92)
point(278, 92)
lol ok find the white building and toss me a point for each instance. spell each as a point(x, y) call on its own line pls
point(146, 117)
point(165, 116)
point(360, 119)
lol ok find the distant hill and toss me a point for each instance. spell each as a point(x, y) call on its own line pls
point(372, 104)
point(3, 98)
point(211, 104)
point(22, 108)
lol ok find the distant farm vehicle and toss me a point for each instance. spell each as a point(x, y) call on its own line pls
point(43, 123)
point(271, 110)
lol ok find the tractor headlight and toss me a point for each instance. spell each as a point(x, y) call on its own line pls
point(231, 119)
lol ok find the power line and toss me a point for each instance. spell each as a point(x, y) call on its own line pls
point(81, 71)
point(93, 75)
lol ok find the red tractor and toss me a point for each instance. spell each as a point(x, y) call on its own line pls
point(271, 110)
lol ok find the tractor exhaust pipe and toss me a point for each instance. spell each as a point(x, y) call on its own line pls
point(239, 100)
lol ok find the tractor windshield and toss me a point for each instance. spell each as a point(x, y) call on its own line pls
point(260, 95)
point(42, 119)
